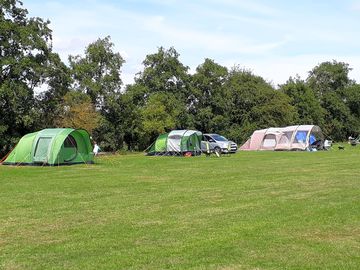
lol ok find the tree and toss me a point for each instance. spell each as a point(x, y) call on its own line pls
point(329, 77)
point(163, 72)
point(161, 93)
point(161, 114)
point(58, 82)
point(255, 104)
point(210, 98)
point(25, 50)
point(98, 72)
point(339, 122)
point(304, 100)
point(352, 99)
point(116, 122)
point(329, 81)
point(133, 101)
point(78, 112)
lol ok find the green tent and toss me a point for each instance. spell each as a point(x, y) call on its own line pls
point(53, 146)
point(177, 142)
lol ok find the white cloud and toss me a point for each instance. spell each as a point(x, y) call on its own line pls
point(278, 69)
point(73, 32)
point(257, 36)
point(211, 40)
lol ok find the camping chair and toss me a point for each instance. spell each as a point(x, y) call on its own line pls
point(228, 150)
point(355, 141)
point(210, 151)
point(327, 144)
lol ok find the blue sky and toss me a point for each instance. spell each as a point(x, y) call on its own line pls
point(275, 39)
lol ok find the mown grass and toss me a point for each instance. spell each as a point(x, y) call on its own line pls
point(252, 210)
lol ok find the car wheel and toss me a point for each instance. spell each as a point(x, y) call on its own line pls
point(217, 149)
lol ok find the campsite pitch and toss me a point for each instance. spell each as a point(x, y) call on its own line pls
point(252, 210)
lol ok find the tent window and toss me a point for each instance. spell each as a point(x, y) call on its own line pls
point(312, 139)
point(285, 137)
point(42, 146)
point(269, 141)
point(175, 137)
point(70, 142)
point(300, 136)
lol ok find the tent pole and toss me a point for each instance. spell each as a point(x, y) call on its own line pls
point(23, 160)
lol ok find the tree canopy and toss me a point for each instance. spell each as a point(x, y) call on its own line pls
point(89, 93)
point(97, 73)
point(25, 56)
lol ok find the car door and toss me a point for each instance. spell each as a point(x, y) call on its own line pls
point(212, 142)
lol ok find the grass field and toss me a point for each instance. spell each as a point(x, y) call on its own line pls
point(252, 210)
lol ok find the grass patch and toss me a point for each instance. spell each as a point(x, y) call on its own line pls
point(252, 210)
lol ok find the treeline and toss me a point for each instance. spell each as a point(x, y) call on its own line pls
point(88, 93)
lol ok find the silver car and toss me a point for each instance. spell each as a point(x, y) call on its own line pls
point(219, 143)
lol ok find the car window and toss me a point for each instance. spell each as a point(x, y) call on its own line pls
point(219, 138)
point(208, 138)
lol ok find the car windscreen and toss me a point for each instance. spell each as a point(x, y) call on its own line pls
point(219, 138)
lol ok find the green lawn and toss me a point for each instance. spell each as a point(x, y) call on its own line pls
point(252, 210)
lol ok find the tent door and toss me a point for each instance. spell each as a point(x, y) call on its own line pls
point(41, 149)
point(69, 150)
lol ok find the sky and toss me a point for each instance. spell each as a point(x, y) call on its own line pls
point(274, 39)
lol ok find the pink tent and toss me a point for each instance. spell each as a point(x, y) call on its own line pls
point(286, 138)
point(264, 139)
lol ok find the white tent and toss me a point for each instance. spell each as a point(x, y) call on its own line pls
point(177, 142)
